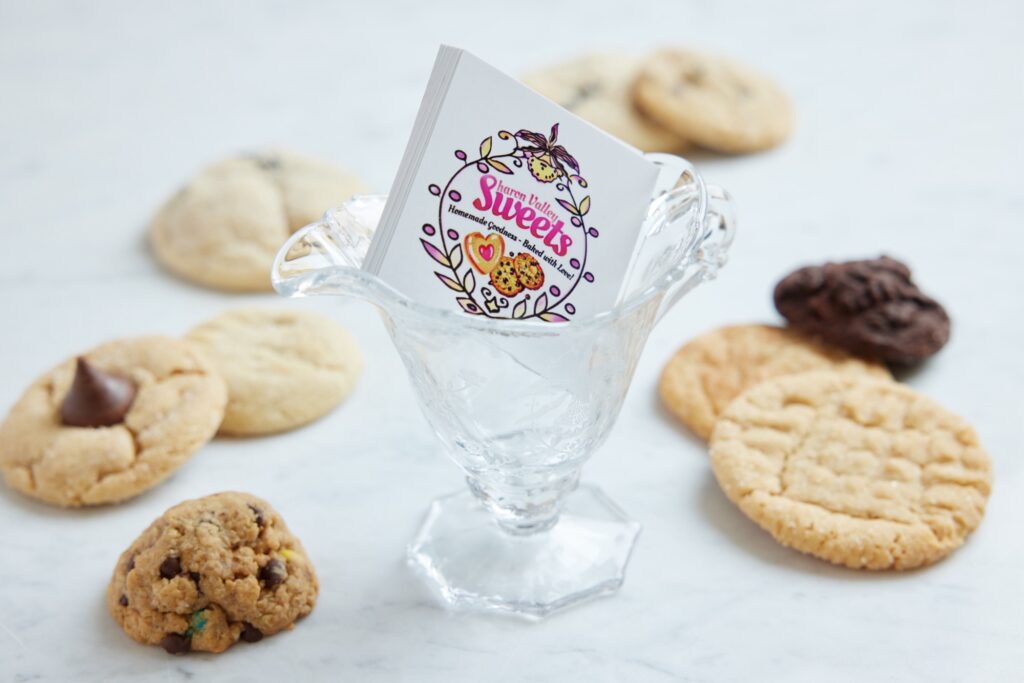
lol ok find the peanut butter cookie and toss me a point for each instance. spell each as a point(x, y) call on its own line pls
point(861, 472)
point(706, 374)
point(112, 423)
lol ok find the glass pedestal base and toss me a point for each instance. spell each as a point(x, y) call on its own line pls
point(472, 563)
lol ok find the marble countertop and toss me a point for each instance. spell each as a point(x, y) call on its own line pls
point(907, 142)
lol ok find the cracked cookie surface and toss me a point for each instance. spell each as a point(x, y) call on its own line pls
point(177, 408)
point(709, 371)
point(223, 229)
point(858, 471)
point(283, 368)
point(210, 572)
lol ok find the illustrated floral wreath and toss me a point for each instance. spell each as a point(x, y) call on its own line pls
point(548, 162)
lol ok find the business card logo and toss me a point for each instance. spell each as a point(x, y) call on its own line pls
point(511, 236)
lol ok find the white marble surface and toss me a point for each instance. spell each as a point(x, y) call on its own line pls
point(908, 142)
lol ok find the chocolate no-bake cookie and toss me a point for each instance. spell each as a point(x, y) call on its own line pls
point(871, 308)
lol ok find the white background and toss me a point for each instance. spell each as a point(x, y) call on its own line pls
point(908, 141)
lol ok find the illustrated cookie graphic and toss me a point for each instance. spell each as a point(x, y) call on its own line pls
point(504, 277)
point(210, 572)
point(542, 167)
point(484, 252)
point(871, 307)
point(598, 88)
point(225, 226)
point(706, 374)
point(713, 102)
point(112, 423)
point(528, 270)
point(858, 471)
point(283, 368)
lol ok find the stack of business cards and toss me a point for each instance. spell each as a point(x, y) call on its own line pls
point(507, 206)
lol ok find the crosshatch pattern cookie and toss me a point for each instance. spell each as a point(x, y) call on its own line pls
point(706, 374)
point(713, 102)
point(861, 472)
point(283, 368)
point(210, 572)
point(176, 404)
point(223, 229)
point(598, 88)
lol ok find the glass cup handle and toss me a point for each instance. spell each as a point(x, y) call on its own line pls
point(713, 250)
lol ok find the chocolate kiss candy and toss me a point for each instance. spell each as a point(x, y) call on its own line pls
point(96, 398)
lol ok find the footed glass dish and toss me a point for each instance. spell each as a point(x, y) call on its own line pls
point(525, 538)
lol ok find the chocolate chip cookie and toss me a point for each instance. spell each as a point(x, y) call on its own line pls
point(712, 101)
point(111, 423)
point(598, 88)
point(504, 277)
point(529, 271)
point(870, 307)
point(223, 229)
point(210, 572)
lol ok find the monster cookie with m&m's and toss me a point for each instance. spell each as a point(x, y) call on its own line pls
point(504, 277)
point(210, 572)
point(528, 270)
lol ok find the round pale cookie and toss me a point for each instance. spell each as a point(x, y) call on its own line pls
point(713, 102)
point(598, 88)
point(858, 471)
point(706, 374)
point(225, 226)
point(209, 572)
point(283, 368)
point(177, 408)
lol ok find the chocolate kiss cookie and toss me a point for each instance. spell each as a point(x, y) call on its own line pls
point(871, 308)
point(111, 423)
point(96, 398)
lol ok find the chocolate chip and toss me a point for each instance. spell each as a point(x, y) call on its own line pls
point(195, 577)
point(871, 308)
point(176, 643)
point(96, 398)
point(250, 633)
point(260, 521)
point(123, 601)
point(265, 162)
point(273, 573)
point(131, 564)
point(170, 567)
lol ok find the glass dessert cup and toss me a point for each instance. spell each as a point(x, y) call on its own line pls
point(520, 406)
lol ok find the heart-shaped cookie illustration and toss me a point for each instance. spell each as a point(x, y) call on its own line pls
point(484, 252)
